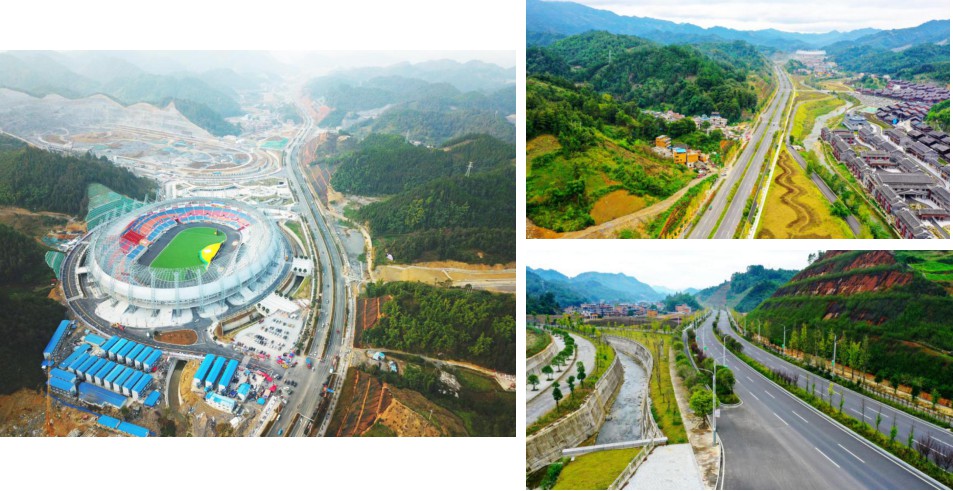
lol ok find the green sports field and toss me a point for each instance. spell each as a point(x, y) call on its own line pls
point(183, 250)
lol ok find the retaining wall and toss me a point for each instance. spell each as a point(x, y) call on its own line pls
point(546, 446)
point(541, 359)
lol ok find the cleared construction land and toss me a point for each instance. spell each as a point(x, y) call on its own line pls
point(795, 208)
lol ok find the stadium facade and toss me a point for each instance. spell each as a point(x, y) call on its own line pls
point(122, 254)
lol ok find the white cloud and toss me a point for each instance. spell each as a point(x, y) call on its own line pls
point(784, 15)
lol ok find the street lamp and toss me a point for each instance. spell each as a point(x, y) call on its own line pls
point(784, 341)
point(714, 400)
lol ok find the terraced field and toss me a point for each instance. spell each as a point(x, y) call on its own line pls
point(795, 208)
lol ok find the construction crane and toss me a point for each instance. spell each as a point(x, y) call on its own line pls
point(49, 404)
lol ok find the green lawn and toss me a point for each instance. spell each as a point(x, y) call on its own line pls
point(183, 251)
point(596, 470)
point(536, 340)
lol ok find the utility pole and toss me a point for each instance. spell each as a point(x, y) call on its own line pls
point(469, 168)
point(784, 341)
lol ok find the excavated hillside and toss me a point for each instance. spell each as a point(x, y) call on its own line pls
point(899, 300)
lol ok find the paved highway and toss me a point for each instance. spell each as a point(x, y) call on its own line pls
point(335, 291)
point(775, 441)
point(858, 406)
point(538, 406)
point(768, 122)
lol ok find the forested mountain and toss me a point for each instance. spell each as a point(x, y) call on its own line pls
point(40, 180)
point(42, 73)
point(931, 32)
point(921, 52)
point(473, 75)
point(429, 112)
point(433, 210)
point(898, 302)
point(588, 287)
point(746, 290)
point(29, 318)
point(546, 20)
point(449, 323)
point(601, 145)
point(686, 79)
point(920, 62)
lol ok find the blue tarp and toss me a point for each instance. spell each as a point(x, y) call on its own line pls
point(108, 421)
point(55, 340)
point(132, 429)
point(204, 368)
point(153, 398)
point(214, 373)
point(99, 396)
point(60, 384)
point(94, 339)
point(228, 374)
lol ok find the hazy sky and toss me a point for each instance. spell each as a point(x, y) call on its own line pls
point(784, 15)
point(673, 269)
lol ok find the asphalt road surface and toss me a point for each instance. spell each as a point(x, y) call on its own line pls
point(858, 406)
point(775, 441)
point(536, 408)
point(768, 122)
point(334, 310)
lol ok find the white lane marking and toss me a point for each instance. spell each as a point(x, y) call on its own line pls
point(826, 457)
point(798, 415)
point(947, 444)
point(752, 395)
point(779, 417)
point(766, 392)
point(858, 412)
point(749, 378)
point(852, 453)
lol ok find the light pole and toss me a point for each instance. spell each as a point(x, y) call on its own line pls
point(714, 400)
point(784, 341)
point(834, 359)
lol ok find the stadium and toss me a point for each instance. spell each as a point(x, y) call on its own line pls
point(166, 262)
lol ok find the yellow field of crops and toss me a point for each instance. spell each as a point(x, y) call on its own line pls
point(796, 209)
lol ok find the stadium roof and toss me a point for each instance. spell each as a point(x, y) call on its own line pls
point(55, 340)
